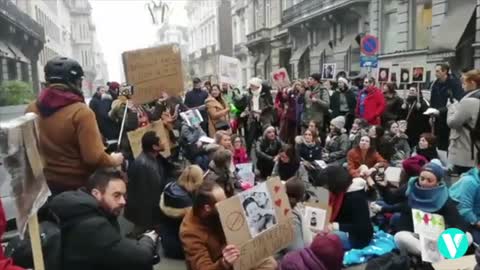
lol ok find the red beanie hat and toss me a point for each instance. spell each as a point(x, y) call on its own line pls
point(413, 165)
point(114, 86)
point(328, 248)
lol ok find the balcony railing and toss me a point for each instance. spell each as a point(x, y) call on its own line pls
point(22, 20)
point(303, 7)
point(259, 35)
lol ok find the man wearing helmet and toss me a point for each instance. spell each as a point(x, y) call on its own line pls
point(70, 140)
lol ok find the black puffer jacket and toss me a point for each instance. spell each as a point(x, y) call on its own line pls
point(174, 204)
point(95, 242)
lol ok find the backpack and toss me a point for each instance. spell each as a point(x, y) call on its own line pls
point(20, 250)
point(475, 131)
point(389, 261)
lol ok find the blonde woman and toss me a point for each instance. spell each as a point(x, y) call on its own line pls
point(176, 199)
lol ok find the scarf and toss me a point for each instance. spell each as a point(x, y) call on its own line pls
point(335, 201)
point(429, 200)
point(287, 170)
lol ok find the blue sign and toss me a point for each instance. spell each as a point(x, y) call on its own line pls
point(369, 45)
point(368, 61)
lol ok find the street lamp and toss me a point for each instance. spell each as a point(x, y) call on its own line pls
point(158, 9)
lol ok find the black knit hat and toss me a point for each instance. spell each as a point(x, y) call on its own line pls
point(316, 76)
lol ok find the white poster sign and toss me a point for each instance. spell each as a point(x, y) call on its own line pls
point(229, 70)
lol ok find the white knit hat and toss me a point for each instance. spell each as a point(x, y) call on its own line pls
point(345, 81)
point(255, 82)
point(338, 122)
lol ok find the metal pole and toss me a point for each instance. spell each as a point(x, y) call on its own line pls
point(122, 126)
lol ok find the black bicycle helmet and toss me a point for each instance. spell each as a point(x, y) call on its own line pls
point(63, 70)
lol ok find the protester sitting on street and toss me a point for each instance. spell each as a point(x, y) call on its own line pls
point(147, 177)
point(427, 193)
point(93, 241)
point(219, 171)
point(175, 202)
point(337, 143)
point(310, 149)
point(399, 141)
point(427, 146)
point(380, 142)
point(312, 126)
point(267, 150)
point(465, 192)
point(193, 149)
point(240, 155)
point(69, 138)
point(202, 235)
point(296, 192)
point(393, 198)
point(350, 216)
point(364, 160)
point(288, 165)
point(359, 129)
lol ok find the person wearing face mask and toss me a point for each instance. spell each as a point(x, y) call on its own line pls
point(412, 111)
point(196, 98)
point(267, 151)
point(364, 160)
point(218, 111)
point(202, 235)
point(343, 102)
point(463, 118)
point(176, 200)
point(428, 193)
point(147, 175)
point(393, 103)
point(370, 103)
point(94, 240)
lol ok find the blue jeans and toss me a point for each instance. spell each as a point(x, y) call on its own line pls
point(344, 239)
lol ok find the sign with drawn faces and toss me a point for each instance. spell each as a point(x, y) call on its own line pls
point(258, 221)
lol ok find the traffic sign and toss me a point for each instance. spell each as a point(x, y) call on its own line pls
point(368, 61)
point(370, 45)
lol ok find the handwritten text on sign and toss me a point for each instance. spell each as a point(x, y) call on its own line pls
point(154, 71)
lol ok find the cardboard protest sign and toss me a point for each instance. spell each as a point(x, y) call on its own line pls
point(429, 227)
point(280, 78)
point(464, 263)
point(392, 175)
point(135, 138)
point(317, 211)
point(153, 71)
point(229, 70)
point(258, 221)
point(23, 167)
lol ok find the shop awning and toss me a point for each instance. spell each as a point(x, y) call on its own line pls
point(453, 25)
point(18, 54)
point(298, 54)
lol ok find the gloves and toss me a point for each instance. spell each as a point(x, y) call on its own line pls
point(375, 208)
point(432, 111)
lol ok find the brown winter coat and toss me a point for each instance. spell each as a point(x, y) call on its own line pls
point(71, 145)
point(214, 108)
point(355, 160)
point(203, 246)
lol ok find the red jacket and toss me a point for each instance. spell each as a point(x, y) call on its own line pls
point(240, 156)
point(5, 263)
point(374, 106)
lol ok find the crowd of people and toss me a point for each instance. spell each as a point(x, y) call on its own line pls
point(339, 135)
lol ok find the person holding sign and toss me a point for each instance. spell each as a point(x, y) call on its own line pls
point(69, 138)
point(196, 98)
point(427, 193)
point(202, 235)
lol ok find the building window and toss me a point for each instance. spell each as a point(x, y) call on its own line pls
point(235, 32)
point(12, 69)
point(422, 23)
point(389, 33)
point(25, 72)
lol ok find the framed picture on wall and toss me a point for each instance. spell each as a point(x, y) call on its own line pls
point(418, 74)
point(404, 75)
point(383, 74)
point(329, 71)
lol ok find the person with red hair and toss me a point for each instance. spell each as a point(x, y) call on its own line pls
point(5, 263)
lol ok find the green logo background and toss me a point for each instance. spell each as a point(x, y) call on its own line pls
point(462, 247)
